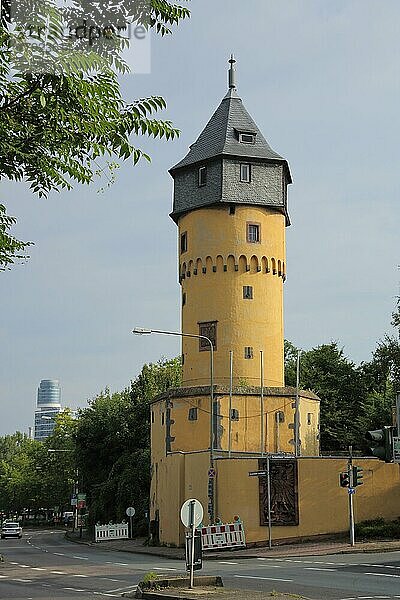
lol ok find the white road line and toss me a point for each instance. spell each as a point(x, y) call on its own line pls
point(3, 576)
point(265, 578)
point(222, 562)
point(164, 569)
point(120, 564)
point(382, 575)
point(58, 573)
point(80, 575)
point(81, 557)
point(22, 580)
point(58, 553)
point(73, 589)
point(261, 558)
point(109, 579)
point(25, 566)
point(317, 569)
point(126, 587)
point(14, 563)
point(38, 569)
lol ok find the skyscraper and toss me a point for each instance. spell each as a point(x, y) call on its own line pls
point(48, 407)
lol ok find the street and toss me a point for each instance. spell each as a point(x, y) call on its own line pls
point(45, 565)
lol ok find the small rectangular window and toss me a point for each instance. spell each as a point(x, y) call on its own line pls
point(253, 233)
point(245, 173)
point(247, 138)
point(162, 418)
point(309, 418)
point(280, 416)
point(248, 292)
point(202, 176)
point(192, 416)
point(183, 298)
point(152, 416)
point(248, 352)
point(232, 210)
point(183, 242)
point(234, 414)
point(208, 330)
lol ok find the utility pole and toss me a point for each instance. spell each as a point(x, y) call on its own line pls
point(351, 494)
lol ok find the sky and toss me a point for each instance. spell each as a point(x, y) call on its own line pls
point(321, 80)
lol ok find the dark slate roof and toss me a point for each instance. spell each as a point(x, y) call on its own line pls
point(220, 137)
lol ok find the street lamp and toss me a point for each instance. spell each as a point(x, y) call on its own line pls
point(143, 331)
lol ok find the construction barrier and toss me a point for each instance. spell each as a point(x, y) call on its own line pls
point(119, 531)
point(230, 535)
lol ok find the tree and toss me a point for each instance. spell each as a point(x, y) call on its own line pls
point(113, 444)
point(60, 123)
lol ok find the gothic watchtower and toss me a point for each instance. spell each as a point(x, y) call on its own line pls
point(230, 205)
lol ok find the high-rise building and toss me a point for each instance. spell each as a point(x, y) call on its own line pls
point(48, 407)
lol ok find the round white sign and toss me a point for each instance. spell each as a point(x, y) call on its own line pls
point(130, 511)
point(192, 505)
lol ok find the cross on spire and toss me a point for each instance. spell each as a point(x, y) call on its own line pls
point(232, 73)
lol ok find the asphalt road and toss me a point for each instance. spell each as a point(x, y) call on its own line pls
point(44, 565)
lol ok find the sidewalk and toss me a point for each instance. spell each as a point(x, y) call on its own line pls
point(317, 548)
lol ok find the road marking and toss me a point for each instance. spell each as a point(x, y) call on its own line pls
point(58, 553)
point(22, 580)
point(73, 589)
point(126, 587)
point(222, 562)
point(80, 575)
point(38, 569)
point(266, 578)
point(81, 557)
point(382, 575)
point(162, 568)
point(317, 569)
point(3, 576)
point(108, 579)
point(58, 572)
point(121, 564)
point(13, 563)
point(25, 566)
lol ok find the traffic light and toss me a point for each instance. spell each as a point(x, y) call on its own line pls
point(381, 443)
point(358, 474)
point(344, 479)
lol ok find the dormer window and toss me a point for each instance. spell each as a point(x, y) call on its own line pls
point(202, 176)
point(247, 137)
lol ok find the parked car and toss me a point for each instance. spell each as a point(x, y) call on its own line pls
point(11, 529)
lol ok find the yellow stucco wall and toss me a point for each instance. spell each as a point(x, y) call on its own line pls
point(323, 504)
point(278, 419)
point(216, 241)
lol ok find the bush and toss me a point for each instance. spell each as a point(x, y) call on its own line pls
point(378, 529)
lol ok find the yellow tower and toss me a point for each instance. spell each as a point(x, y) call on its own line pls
point(230, 205)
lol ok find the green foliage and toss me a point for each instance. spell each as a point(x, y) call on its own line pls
point(113, 444)
point(68, 122)
point(11, 249)
point(378, 529)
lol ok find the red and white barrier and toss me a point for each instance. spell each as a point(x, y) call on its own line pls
point(230, 535)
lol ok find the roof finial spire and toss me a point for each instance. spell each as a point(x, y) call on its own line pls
point(232, 73)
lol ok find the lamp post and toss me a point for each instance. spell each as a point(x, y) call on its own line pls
point(143, 331)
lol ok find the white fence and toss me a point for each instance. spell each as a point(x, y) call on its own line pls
point(119, 531)
point(230, 535)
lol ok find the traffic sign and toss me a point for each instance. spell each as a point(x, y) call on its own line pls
point(191, 509)
point(351, 490)
point(211, 473)
point(130, 511)
point(396, 448)
point(257, 473)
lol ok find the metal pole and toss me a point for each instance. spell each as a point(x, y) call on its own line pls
point(351, 504)
point(269, 503)
point(296, 411)
point(262, 442)
point(230, 403)
point(193, 528)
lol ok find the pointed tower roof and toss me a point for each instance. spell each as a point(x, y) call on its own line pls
point(221, 135)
